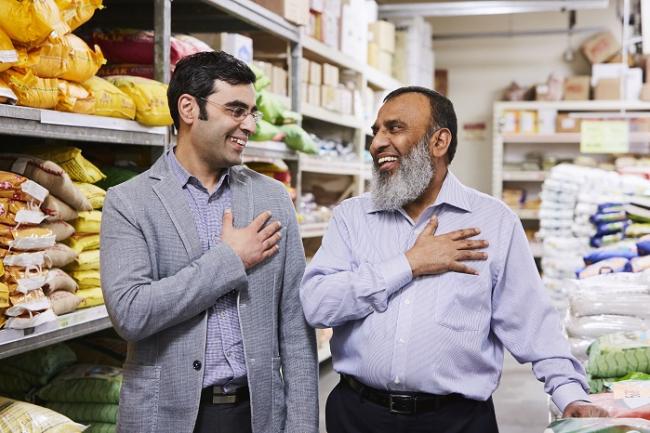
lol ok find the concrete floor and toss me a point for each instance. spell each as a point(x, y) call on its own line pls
point(520, 401)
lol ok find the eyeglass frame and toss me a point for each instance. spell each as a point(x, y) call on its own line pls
point(256, 115)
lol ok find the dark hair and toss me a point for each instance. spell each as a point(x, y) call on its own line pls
point(442, 113)
point(195, 75)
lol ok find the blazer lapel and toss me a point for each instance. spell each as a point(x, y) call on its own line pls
point(171, 194)
point(242, 197)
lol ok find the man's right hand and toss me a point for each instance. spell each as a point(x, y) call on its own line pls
point(438, 254)
point(254, 243)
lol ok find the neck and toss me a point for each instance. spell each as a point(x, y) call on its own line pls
point(196, 165)
point(429, 196)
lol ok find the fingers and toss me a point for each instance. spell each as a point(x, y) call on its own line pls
point(472, 245)
point(465, 256)
point(268, 243)
point(431, 227)
point(463, 234)
point(270, 252)
point(462, 268)
point(261, 219)
point(227, 219)
point(269, 230)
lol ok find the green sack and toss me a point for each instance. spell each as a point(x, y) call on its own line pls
point(262, 81)
point(84, 383)
point(115, 176)
point(599, 425)
point(266, 132)
point(615, 355)
point(18, 416)
point(270, 106)
point(598, 385)
point(40, 365)
point(86, 413)
point(290, 117)
point(298, 139)
point(99, 427)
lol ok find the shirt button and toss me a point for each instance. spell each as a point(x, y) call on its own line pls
point(407, 302)
point(397, 379)
point(401, 340)
point(196, 365)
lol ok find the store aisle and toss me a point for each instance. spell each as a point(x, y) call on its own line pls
point(520, 400)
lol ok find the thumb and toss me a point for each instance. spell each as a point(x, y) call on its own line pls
point(227, 219)
point(431, 227)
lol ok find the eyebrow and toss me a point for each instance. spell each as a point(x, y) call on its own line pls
point(388, 124)
point(242, 104)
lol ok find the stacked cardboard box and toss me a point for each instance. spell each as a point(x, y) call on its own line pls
point(295, 11)
point(381, 46)
point(278, 76)
point(413, 63)
point(354, 29)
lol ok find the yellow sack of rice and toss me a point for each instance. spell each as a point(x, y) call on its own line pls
point(150, 98)
point(84, 242)
point(109, 100)
point(7, 96)
point(31, 90)
point(69, 58)
point(18, 416)
point(88, 222)
point(28, 239)
point(73, 98)
point(93, 193)
point(73, 162)
point(86, 261)
point(31, 22)
point(90, 297)
point(8, 54)
point(4, 296)
point(17, 187)
point(77, 12)
point(86, 279)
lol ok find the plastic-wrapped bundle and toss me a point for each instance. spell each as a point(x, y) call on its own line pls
point(616, 264)
point(610, 227)
point(614, 284)
point(618, 354)
point(626, 250)
point(579, 347)
point(600, 218)
point(597, 326)
point(599, 241)
point(599, 425)
point(593, 304)
point(561, 266)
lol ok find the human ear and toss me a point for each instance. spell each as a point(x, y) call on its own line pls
point(439, 143)
point(187, 109)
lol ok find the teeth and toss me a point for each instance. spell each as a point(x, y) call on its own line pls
point(238, 141)
point(386, 159)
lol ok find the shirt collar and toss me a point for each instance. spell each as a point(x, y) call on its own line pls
point(185, 177)
point(452, 193)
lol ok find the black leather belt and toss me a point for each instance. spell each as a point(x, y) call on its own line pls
point(215, 395)
point(400, 403)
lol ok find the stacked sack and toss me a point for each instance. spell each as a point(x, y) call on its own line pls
point(87, 394)
point(606, 304)
point(278, 123)
point(22, 375)
point(84, 269)
point(33, 250)
point(130, 52)
point(52, 68)
point(20, 417)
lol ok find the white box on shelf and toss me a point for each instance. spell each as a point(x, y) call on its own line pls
point(333, 7)
point(372, 11)
point(304, 70)
point(546, 118)
point(237, 45)
point(331, 27)
point(354, 29)
point(315, 73)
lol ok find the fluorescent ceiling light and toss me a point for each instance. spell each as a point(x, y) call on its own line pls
point(465, 8)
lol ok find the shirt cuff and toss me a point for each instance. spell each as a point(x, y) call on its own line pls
point(566, 394)
point(396, 273)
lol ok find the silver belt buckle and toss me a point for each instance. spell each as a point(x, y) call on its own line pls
point(220, 398)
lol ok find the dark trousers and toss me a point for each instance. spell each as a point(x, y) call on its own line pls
point(224, 418)
point(348, 412)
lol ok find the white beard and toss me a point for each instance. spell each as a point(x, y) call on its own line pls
point(391, 191)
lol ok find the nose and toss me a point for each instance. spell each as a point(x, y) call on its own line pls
point(379, 141)
point(248, 125)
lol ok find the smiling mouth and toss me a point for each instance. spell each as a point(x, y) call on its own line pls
point(239, 141)
point(387, 162)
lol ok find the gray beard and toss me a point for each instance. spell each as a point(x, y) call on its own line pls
point(391, 191)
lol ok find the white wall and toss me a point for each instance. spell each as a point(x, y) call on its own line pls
point(479, 70)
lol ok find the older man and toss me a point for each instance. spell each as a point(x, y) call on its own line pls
point(420, 349)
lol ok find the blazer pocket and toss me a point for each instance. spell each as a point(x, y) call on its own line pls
point(139, 399)
point(279, 398)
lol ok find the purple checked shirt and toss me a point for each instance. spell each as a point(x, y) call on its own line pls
point(224, 351)
point(436, 334)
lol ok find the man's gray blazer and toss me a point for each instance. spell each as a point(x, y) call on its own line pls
point(158, 285)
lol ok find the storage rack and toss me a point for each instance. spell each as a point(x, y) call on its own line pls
point(507, 145)
point(192, 16)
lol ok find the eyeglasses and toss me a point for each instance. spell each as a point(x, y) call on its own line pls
point(238, 114)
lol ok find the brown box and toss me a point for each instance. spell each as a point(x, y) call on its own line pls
point(329, 98)
point(315, 73)
point(600, 47)
point(313, 94)
point(607, 89)
point(279, 81)
point(383, 34)
point(564, 123)
point(577, 88)
point(645, 92)
point(304, 70)
point(296, 11)
point(330, 75)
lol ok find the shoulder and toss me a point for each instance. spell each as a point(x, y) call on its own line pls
point(354, 208)
point(262, 183)
point(485, 205)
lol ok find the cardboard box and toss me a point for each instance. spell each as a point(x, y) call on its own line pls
point(236, 45)
point(296, 11)
point(265, 67)
point(577, 88)
point(383, 34)
point(600, 47)
point(328, 98)
point(373, 55)
point(331, 28)
point(608, 88)
point(645, 92)
point(386, 63)
point(354, 29)
point(372, 10)
point(346, 100)
point(304, 70)
point(315, 73)
point(315, 26)
point(313, 94)
point(330, 75)
point(333, 7)
point(304, 93)
point(279, 81)
point(564, 123)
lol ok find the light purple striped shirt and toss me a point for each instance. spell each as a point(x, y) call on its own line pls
point(436, 334)
point(224, 351)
